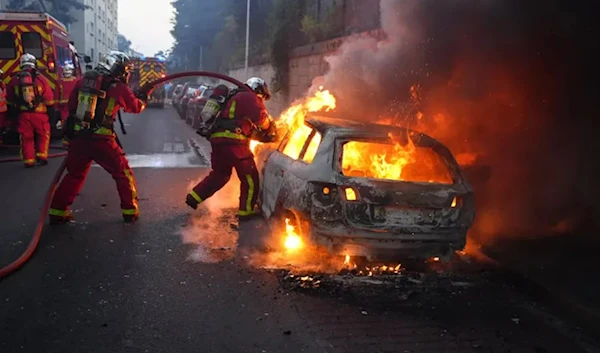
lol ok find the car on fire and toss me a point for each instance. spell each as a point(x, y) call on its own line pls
point(367, 190)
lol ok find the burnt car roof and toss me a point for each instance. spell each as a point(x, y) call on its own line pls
point(357, 129)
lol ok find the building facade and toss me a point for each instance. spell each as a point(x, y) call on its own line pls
point(95, 29)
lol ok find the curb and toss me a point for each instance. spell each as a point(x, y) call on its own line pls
point(199, 151)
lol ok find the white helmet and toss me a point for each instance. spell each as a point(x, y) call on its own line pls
point(260, 87)
point(27, 61)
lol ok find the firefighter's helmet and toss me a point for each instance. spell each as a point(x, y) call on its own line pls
point(118, 64)
point(27, 61)
point(260, 87)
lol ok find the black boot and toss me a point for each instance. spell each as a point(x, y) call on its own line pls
point(130, 218)
point(58, 220)
point(191, 201)
point(42, 162)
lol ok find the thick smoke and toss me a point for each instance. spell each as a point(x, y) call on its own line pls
point(504, 81)
point(209, 229)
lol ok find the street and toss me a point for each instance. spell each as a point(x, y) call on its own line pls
point(99, 285)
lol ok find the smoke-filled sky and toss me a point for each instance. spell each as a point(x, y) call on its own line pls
point(147, 24)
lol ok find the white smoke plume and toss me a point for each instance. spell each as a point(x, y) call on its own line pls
point(210, 228)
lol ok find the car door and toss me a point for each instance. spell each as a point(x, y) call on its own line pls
point(277, 167)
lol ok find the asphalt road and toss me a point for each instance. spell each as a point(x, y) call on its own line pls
point(99, 285)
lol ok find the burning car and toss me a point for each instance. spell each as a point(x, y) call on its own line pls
point(368, 190)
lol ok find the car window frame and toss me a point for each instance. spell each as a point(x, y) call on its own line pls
point(307, 142)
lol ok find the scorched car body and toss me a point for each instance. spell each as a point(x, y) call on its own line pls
point(358, 216)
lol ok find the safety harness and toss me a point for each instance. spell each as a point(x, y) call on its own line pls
point(29, 95)
point(90, 116)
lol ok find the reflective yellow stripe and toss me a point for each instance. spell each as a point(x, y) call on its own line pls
point(195, 196)
point(134, 194)
point(249, 205)
point(104, 131)
point(110, 107)
point(229, 134)
point(130, 211)
point(42, 155)
point(232, 110)
point(77, 127)
point(51, 102)
point(60, 213)
point(28, 161)
point(246, 213)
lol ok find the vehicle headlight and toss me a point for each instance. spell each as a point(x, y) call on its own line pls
point(350, 194)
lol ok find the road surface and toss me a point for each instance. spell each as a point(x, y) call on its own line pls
point(99, 285)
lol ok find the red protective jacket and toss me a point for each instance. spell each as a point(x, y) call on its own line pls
point(3, 104)
point(248, 111)
point(13, 94)
point(118, 96)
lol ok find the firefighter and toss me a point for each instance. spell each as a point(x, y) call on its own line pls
point(30, 95)
point(93, 106)
point(3, 105)
point(243, 114)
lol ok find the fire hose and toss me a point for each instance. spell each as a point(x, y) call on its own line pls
point(32, 246)
point(18, 159)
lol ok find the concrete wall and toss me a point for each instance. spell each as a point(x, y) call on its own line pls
point(306, 64)
point(277, 103)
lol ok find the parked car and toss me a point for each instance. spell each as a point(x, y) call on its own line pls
point(189, 86)
point(176, 92)
point(195, 106)
point(368, 190)
point(191, 92)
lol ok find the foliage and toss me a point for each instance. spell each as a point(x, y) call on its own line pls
point(123, 43)
point(284, 23)
point(217, 28)
point(317, 30)
point(60, 9)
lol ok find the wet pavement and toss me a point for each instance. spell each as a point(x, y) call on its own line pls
point(98, 285)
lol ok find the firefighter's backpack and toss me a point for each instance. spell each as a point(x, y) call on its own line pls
point(90, 95)
point(28, 88)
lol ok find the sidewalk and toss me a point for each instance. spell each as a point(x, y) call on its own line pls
point(566, 266)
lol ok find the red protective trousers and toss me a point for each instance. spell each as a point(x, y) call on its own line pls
point(34, 129)
point(225, 157)
point(107, 153)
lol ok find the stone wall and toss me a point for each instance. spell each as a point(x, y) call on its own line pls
point(306, 64)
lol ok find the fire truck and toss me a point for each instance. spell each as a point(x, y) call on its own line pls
point(147, 70)
point(47, 39)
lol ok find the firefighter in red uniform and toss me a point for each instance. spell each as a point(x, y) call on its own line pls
point(240, 117)
point(33, 99)
point(93, 106)
point(3, 105)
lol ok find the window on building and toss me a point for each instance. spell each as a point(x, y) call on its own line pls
point(8, 50)
point(32, 44)
point(92, 53)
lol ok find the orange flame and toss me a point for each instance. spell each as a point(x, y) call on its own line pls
point(293, 119)
point(293, 242)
